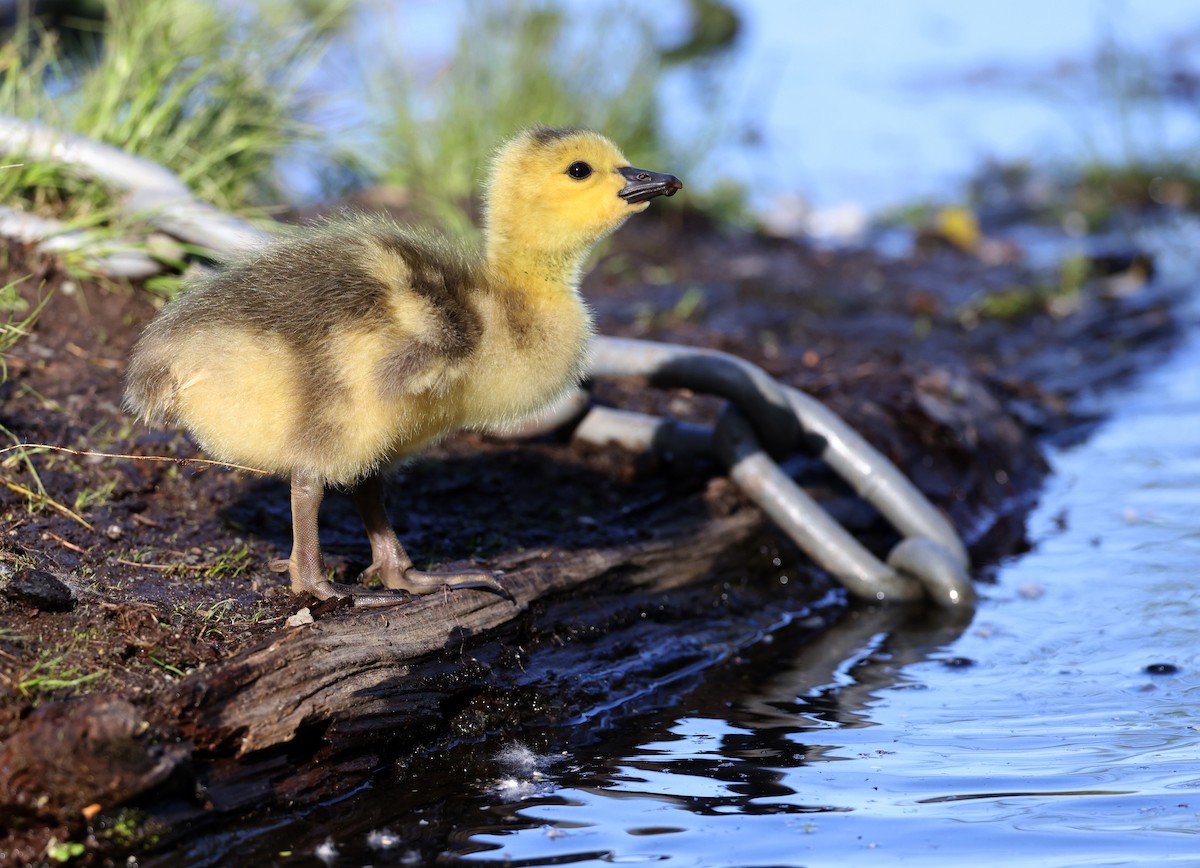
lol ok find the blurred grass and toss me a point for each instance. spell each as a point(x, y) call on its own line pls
point(515, 64)
point(1129, 162)
point(1136, 114)
point(218, 93)
point(16, 318)
point(212, 92)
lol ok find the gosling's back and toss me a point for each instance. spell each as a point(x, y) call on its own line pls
point(336, 350)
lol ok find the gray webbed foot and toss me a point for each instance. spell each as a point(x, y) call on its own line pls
point(414, 581)
point(391, 563)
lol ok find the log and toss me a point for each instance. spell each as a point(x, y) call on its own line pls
point(356, 667)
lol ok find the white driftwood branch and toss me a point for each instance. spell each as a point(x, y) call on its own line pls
point(148, 191)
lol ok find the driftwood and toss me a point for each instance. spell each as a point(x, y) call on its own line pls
point(350, 671)
point(317, 708)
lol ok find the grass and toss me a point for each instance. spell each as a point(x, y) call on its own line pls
point(166, 667)
point(19, 317)
point(514, 64)
point(228, 564)
point(190, 86)
point(98, 495)
point(56, 670)
point(1127, 107)
point(1017, 302)
point(187, 85)
point(37, 497)
point(64, 851)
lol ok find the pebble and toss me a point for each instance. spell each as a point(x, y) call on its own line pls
point(958, 662)
point(304, 616)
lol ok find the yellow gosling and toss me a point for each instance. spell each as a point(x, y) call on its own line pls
point(341, 350)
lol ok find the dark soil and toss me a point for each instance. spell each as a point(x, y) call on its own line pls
point(135, 596)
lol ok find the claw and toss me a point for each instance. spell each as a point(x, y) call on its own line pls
point(360, 598)
point(421, 582)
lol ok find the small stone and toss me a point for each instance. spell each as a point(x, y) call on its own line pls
point(39, 589)
point(1161, 669)
point(113, 531)
point(304, 616)
point(958, 662)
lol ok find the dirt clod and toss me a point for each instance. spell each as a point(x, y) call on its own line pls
point(68, 756)
point(38, 589)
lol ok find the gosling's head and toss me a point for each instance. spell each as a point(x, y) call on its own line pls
point(562, 190)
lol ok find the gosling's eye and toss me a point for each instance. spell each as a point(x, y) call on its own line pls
point(579, 170)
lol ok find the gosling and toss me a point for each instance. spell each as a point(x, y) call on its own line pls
point(340, 351)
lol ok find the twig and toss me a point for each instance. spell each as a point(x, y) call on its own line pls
point(88, 453)
point(67, 543)
point(166, 566)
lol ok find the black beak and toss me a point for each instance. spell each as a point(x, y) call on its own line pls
point(642, 186)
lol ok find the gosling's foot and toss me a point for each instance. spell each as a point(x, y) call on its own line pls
point(323, 589)
point(400, 586)
point(414, 581)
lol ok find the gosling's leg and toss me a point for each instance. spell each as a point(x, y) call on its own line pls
point(392, 564)
point(305, 565)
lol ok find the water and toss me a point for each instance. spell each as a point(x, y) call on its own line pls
point(878, 104)
point(1056, 726)
point(858, 106)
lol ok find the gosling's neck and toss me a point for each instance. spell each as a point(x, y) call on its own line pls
point(532, 271)
point(534, 251)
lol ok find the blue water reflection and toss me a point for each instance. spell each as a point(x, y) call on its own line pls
point(881, 103)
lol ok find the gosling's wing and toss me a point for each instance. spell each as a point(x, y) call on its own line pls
point(434, 322)
point(363, 306)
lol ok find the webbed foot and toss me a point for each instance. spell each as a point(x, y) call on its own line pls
point(394, 576)
point(391, 563)
point(315, 583)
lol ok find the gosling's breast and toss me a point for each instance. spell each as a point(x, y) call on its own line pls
point(535, 351)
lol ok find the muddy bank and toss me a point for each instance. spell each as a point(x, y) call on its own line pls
point(153, 685)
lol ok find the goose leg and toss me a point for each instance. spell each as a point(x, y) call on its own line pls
point(391, 563)
point(306, 566)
